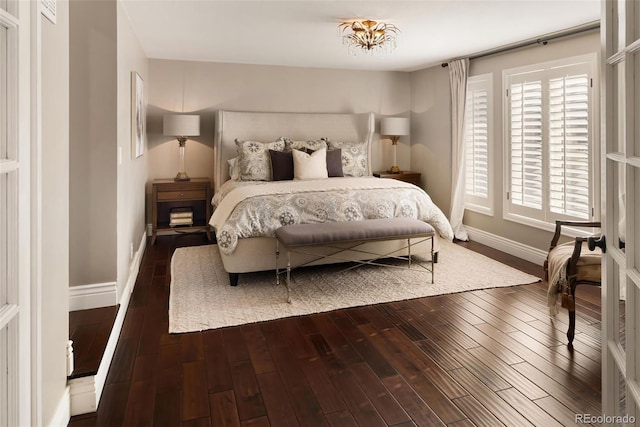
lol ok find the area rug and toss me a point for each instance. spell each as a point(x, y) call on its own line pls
point(201, 298)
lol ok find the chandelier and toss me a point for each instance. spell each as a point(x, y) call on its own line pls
point(368, 36)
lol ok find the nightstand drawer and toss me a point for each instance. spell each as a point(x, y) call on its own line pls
point(182, 195)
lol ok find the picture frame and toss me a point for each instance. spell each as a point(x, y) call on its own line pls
point(138, 116)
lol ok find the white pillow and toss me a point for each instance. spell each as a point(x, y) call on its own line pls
point(310, 166)
point(234, 171)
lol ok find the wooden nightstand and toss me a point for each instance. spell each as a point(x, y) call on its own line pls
point(168, 194)
point(407, 176)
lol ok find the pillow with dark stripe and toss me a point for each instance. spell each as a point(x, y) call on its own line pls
point(334, 161)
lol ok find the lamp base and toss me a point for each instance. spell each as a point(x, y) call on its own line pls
point(394, 169)
point(182, 176)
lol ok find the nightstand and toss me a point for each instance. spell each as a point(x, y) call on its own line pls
point(406, 176)
point(168, 194)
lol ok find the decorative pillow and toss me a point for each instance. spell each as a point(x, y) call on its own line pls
point(354, 157)
point(334, 162)
point(281, 165)
point(310, 166)
point(301, 145)
point(234, 171)
point(253, 159)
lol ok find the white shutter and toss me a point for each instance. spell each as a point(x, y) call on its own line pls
point(478, 139)
point(569, 146)
point(548, 156)
point(526, 144)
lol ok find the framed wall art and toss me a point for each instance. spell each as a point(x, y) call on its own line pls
point(138, 119)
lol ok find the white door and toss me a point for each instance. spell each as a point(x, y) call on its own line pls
point(15, 214)
point(621, 211)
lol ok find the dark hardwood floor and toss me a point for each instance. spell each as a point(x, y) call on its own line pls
point(490, 357)
point(89, 330)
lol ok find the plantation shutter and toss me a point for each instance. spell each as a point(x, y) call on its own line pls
point(477, 140)
point(569, 145)
point(550, 147)
point(526, 144)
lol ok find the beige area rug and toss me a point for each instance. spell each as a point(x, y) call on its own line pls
point(201, 297)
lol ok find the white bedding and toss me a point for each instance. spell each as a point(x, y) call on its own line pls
point(256, 209)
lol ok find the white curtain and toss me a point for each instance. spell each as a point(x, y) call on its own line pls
point(458, 70)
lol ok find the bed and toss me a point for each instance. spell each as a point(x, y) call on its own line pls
point(246, 213)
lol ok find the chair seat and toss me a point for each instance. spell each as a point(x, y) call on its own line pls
point(588, 266)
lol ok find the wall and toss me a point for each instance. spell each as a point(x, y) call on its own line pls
point(431, 130)
point(132, 172)
point(93, 148)
point(431, 133)
point(203, 88)
point(55, 209)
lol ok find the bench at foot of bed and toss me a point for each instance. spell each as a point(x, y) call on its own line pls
point(297, 238)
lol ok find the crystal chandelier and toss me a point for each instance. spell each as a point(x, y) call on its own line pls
point(368, 36)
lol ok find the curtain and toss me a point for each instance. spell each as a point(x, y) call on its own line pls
point(458, 70)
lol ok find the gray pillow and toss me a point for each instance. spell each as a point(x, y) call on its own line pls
point(281, 165)
point(334, 162)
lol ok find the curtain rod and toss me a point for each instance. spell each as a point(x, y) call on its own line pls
point(542, 40)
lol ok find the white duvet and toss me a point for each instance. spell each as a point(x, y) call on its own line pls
point(244, 209)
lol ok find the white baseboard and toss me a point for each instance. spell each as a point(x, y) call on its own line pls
point(529, 253)
point(62, 415)
point(86, 391)
point(83, 395)
point(85, 297)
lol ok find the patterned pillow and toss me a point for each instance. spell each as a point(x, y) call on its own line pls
point(354, 157)
point(253, 159)
point(314, 145)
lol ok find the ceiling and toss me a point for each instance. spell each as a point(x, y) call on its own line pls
point(305, 33)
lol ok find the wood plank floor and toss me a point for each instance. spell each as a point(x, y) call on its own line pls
point(89, 330)
point(490, 357)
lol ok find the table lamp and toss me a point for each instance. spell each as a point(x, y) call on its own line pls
point(181, 126)
point(394, 127)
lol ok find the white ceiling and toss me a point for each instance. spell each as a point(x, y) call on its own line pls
point(305, 33)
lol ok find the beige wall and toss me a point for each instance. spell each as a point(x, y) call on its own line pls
point(203, 88)
point(431, 133)
point(132, 172)
point(54, 317)
point(431, 130)
point(93, 136)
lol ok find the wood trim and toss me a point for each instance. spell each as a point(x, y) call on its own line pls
point(529, 253)
point(84, 297)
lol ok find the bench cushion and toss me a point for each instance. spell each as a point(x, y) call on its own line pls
point(353, 231)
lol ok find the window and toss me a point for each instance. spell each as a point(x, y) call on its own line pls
point(478, 135)
point(550, 147)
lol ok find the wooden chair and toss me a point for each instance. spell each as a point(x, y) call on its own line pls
point(575, 264)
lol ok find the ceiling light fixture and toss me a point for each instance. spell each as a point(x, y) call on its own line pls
point(368, 36)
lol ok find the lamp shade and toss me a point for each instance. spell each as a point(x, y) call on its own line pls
point(181, 125)
point(395, 126)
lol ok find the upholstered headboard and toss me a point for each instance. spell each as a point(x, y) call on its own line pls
point(267, 127)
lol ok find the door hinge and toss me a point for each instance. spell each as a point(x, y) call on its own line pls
point(590, 82)
point(507, 195)
point(507, 93)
